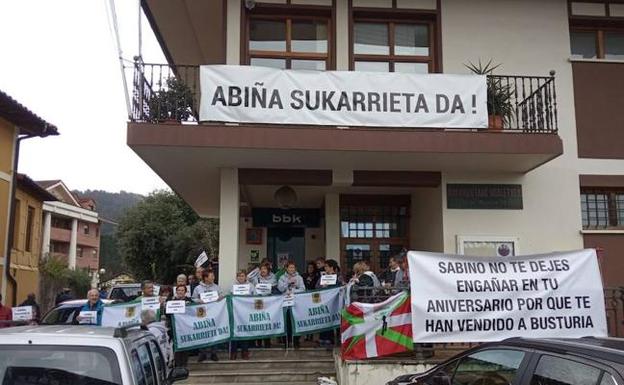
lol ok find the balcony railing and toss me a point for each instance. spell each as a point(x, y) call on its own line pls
point(516, 103)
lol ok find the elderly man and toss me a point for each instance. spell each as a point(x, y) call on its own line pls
point(94, 303)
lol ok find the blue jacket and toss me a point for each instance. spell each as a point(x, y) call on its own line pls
point(99, 308)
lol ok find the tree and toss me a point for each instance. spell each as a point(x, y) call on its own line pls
point(161, 237)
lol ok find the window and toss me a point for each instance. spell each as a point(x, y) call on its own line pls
point(374, 221)
point(146, 364)
point(17, 224)
point(558, 371)
point(492, 367)
point(79, 252)
point(602, 208)
point(393, 46)
point(86, 229)
point(158, 360)
point(289, 42)
point(597, 43)
point(30, 223)
point(137, 370)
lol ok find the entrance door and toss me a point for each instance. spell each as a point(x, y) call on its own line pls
point(287, 243)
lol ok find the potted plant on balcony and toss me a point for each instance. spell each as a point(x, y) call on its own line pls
point(173, 103)
point(499, 103)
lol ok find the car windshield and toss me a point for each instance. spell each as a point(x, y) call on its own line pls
point(66, 365)
point(60, 316)
point(125, 293)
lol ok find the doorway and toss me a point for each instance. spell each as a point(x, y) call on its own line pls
point(287, 243)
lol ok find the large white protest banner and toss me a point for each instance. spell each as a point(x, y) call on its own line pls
point(201, 325)
point(257, 317)
point(125, 314)
point(316, 311)
point(341, 98)
point(470, 299)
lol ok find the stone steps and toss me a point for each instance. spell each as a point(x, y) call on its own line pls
point(276, 353)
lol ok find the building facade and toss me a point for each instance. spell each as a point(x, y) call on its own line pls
point(27, 233)
point(71, 227)
point(17, 123)
point(550, 179)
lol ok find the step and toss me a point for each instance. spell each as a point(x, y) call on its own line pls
point(274, 376)
point(243, 383)
point(259, 364)
point(278, 353)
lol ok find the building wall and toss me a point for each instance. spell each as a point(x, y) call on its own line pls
point(426, 226)
point(7, 143)
point(525, 42)
point(25, 263)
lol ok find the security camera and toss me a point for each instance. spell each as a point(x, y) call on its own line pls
point(250, 4)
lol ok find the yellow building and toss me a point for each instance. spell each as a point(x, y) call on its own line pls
point(16, 124)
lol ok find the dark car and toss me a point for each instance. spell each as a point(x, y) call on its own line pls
point(66, 312)
point(519, 361)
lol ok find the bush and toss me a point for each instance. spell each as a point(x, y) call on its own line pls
point(55, 275)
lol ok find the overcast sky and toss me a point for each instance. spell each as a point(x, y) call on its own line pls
point(60, 61)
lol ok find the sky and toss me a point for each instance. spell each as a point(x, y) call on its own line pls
point(59, 59)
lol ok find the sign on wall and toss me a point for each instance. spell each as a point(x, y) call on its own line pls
point(270, 217)
point(478, 299)
point(484, 196)
point(341, 98)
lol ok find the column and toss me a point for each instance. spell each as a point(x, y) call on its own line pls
point(72, 245)
point(332, 226)
point(228, 227)
point(47, 226)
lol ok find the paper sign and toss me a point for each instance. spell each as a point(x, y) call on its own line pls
point(150, 303)
point(289, 300)
point(22, 313)
point(201, 259)
point(156, 290)
point(176, 307)
point(209, 296)
point(328, 279)
point(241, 289)
point(263, 288)
point(87, 317)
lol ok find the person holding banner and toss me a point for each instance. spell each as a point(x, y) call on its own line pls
point(290, 283)
point(94, 303)
point(265, 277)
point(181, 294)
point(207, 285)
point(181, 280)
point(327, 338)
point(238, 289)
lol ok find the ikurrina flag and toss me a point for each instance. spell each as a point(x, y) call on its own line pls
point(377, 329)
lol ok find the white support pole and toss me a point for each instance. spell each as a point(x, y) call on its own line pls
point(228, 227)
point(73, 243)
point(47, 228)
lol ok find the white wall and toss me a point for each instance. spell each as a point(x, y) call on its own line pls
point(528, 37)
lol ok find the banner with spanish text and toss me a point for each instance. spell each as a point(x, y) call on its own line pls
point(316, 311)
point(201, 325)
point(254, 317)
point(459, 298)
point(253, 94)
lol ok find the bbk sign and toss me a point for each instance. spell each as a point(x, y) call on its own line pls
point(273, 217)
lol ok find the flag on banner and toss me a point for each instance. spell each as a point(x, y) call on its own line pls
point(377, 329)
point(201, 259)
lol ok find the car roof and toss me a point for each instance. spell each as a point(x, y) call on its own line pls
point(89, 331)
point(136, 284)
point(76, 302)
point(610, 349)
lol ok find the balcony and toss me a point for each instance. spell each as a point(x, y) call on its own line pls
point(162, 93)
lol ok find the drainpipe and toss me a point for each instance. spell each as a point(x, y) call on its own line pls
point(7, 259)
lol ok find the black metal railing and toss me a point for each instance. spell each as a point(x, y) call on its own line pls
point(515, 103)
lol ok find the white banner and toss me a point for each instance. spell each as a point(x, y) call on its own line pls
point(316, 311)
point(471, 299)
point(201, 259)
point(257, 317)
point(201, 325)
point(341, 98)
point(120, 315)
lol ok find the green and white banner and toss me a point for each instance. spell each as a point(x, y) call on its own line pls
point(201, 325)
point(316, 311)
point(257, 317)
point(120, 315)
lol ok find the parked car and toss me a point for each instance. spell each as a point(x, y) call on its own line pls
point(83, 355)
point(519, 361)
point(125, 292)
point(66, 312)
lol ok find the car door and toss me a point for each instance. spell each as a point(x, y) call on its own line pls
point(159, 362)
point(557, 369)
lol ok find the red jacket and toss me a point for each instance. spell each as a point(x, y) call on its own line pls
point(5, 315)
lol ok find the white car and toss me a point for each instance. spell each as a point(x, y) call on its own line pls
point(83, 355)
